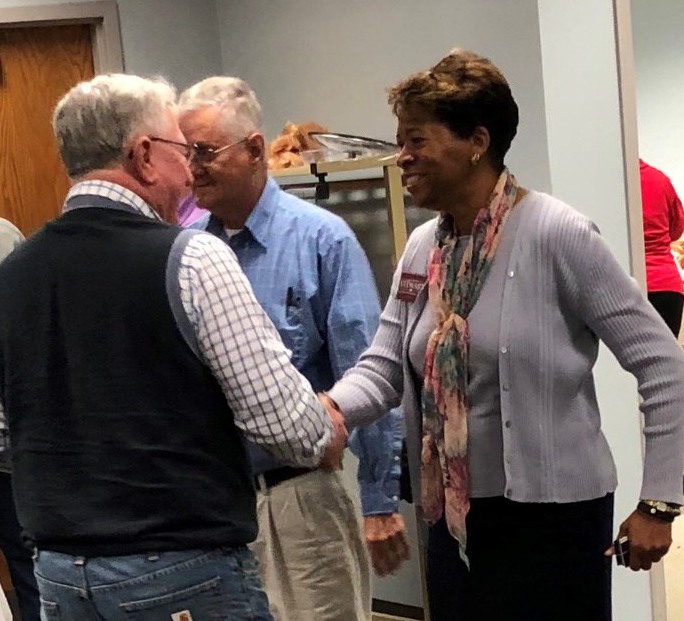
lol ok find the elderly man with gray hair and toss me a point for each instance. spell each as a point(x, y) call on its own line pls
point(313, 279)
point(131, 371)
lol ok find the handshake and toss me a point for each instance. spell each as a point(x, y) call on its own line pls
point(332, 456)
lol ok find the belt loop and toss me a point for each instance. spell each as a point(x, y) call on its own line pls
point(261, 483)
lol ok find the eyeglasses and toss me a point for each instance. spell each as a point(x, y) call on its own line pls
point(187, 149)
point(203, 154)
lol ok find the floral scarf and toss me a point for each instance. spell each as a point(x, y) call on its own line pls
point(453, 290)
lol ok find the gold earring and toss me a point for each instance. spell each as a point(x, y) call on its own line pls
point(474, 159)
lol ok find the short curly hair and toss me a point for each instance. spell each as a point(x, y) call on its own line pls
point(462, 91)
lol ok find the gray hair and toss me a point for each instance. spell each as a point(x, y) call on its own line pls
point(240, 109)
point(95, 119)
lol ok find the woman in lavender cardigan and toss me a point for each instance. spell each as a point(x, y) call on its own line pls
point(489, 340)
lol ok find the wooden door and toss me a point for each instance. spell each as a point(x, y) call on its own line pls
point(37, 66)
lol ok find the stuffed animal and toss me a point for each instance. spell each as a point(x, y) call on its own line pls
point(284, 151)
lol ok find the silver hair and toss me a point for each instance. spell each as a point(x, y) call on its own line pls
point(95, 119)
point(240, 109)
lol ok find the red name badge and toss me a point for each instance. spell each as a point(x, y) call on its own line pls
point(410, 286)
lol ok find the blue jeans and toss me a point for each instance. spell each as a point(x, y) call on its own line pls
point(195, 585)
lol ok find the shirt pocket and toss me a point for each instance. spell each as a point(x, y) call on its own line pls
point(292, 330)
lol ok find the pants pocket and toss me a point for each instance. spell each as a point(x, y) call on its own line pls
point(201, 602)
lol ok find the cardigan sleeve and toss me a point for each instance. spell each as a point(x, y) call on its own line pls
point(595, 286)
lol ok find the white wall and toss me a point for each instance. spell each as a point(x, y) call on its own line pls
point(659, 59)
point(587, 170)
point(175, 38)
point(331, 61)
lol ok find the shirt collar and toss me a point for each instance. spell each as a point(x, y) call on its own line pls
point(112, 191)
point(259, 218)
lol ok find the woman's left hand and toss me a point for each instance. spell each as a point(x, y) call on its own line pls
point(649, 540)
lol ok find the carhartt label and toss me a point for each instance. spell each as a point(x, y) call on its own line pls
point(183, 615)
point(409, 287)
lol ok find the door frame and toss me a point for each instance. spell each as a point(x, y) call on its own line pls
point(102, 16)
point(626, 74)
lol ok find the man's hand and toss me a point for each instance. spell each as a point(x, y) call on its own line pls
point(386, 541)
point(332, 456)
point(649, 540)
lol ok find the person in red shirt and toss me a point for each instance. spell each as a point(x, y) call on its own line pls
point(663, 223)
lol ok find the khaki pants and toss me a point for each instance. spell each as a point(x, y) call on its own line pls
point(5, 613)
point(314, 563)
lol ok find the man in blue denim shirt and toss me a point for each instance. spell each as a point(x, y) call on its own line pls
point(313, 280)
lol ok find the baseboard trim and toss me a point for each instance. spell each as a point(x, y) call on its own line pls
point(398, 610)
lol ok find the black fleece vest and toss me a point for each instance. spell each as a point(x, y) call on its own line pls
point(122, 441)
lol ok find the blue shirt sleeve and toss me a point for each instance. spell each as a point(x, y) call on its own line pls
point(349, 293)
point(378, 447)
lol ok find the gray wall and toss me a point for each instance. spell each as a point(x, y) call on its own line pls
point(175, 38)
point(659, 61)
point(331, 61)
